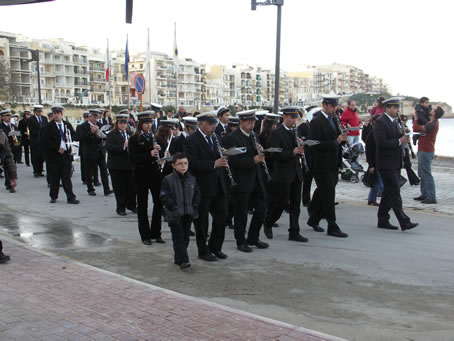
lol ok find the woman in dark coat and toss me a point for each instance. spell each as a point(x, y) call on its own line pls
point(370, 158)
point(120, 166)
point(144, 152)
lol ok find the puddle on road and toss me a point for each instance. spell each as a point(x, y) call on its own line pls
point(49, 234)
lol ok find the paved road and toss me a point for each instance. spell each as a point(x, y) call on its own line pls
point(375, 285)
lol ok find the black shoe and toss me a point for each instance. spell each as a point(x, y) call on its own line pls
point(121, 213)
point(259, 244)
point(132, 209)
point(35, 175)
point(191, 233)
point(337, 233)
point(275, 225)
point(336, 203)
point(268, 232)
point(409, 226)
point(147, 241)
point(297, 238)
point(108, 192)
point(244, 248)
point(28, 165)
point(230, 226)
point(4, 258)
point(12, 190)
point(73, 201)
point(92, 193)
point(53, 201)
point(219, 254)
point(420, 198)
point(185, 266)
point(97, 184)
point(208, 257)
point(316, 228)
point(387, 226)
point(20, 162)
point(425, 201)
point(159, 240)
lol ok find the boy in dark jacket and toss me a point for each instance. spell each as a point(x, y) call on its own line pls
point(180, 197)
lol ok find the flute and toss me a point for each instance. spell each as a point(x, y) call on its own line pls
point(265, 166)
point(229, 172)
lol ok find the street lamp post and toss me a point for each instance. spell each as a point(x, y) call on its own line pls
point(279, 4)
point(35, 58)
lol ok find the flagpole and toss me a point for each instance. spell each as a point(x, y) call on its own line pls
point(176, 65)
point(109, 84)
point(127, 73)
point(149, 66)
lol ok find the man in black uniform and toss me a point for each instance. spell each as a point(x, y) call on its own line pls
point(91, 138)
point(223, 114)
point(208, 166)
point(287, 175)
point(81, 152)
point(388, 141)
point(326, 159)
point(248, 174)
point(59, 134)
point(7, 128)
point(25, 134)
point(35, 123)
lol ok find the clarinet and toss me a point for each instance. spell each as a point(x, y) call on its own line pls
point(265, 166)
point(404, 133)
point(229, 172)
point(342, 131)
point(301, 158)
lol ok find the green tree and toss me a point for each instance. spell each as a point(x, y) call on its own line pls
point(5, 81)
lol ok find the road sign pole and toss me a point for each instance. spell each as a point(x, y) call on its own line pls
point(141, 104)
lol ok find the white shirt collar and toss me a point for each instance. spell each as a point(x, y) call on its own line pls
point(286, 127)
point(392, 119)
point(324, 114)
point(244, 133)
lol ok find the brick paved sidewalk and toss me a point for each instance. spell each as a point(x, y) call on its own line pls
point(44, 297)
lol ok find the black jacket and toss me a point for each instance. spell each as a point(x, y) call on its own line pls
point(371, 150)
point(423, 114)
point(140, 154)
point(25, 139)
point(326, 156)
point(34, 127)
point(220, 129)
point(285, 164)
point(7, 130)
point(389, 151)
point(201, 164)
point(117, 155)
point(244, 171)
point(180, 196)
point(91, 144)
point(303, 132)
point(53, 139)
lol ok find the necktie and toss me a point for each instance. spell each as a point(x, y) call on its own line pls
point(154, 125)
point(331, 122)
point(62, 133)
point(124, 134)
point(39, 120)
point(210, 142)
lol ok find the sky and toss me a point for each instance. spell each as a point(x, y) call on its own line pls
point(404, 42)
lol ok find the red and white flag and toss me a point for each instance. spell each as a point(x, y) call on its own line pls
point(107, 63)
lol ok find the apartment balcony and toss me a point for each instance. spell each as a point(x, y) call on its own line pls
point(63, 85)
point(80, 72)
point(96, 69)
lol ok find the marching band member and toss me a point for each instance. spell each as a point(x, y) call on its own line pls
point(25, 133)
point(223, 115)
point(207, 166)
point(247, 172)
point(59, 135)
point(120, 166)
point(35, 123)
point(144, 152)
point(287, 175)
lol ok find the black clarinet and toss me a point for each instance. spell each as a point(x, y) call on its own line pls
point(404, 133)
point(342, 131)
point(265, 166)
point(229, 172)
point(301, 158)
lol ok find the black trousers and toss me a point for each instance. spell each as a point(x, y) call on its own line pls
point(286, 193)
point(143, 185)
point(217, 207)
point(124, 188)
point(91, 168)
point(412, 177)
point(390, 198)
point(37, 159)
point(307, 184)
point(322, 203)
point(180, 239)
point(26, 146)
point(256, 200)
point(59, 168)
point(17, 153)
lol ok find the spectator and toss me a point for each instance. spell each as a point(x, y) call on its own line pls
point(350, 118)
point(370, 157)
point(426, 150)
point(378, 107)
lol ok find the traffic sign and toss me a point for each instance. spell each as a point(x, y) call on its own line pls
point(140, 84)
